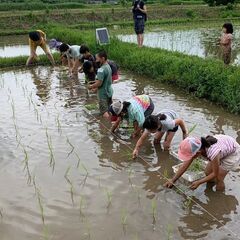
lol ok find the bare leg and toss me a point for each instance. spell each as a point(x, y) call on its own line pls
point(158, 137)
point(141, 39)
point(168, 140)
point(76, 65)
point(220, 179)
point(32, 56)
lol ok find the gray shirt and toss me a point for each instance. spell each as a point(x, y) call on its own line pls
point(169, 122)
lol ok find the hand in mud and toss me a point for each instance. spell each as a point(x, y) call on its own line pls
point(135, 154)
point(168, 184)
point(194, 185)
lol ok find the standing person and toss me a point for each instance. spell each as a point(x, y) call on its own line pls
point(73, 54)
point(139, 10)
point(38, 39)
point(222, 152)
point(166, 122)
point(104, 84)
point(135, 110)
point(226, 42)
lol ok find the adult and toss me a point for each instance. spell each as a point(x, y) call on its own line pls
point(135, 110)
point(139, 11)
point(38, 39)
point(222, 152)
point(166, 123)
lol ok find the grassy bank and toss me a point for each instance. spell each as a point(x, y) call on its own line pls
point(204, 78)
point(90, 18)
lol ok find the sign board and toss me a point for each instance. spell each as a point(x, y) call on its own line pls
point(102, 36)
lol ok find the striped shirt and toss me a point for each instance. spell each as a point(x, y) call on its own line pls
point(225, 145)
point(139, 104)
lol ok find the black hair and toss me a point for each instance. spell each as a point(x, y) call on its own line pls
point(229, 27)
point(84, 49)
point(208, 141)
point(102, 54)
point(151, 122)
point(125, 106)
point(63, 47)
point(34, 36)
point(87, 66)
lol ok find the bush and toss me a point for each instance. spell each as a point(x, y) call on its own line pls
point(218, 2)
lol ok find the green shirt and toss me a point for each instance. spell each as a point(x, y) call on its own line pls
point(104, 74)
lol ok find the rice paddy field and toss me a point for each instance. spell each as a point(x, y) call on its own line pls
point(63, 175)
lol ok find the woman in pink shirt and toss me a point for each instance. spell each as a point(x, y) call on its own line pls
point(226, 42)
point(222, 151)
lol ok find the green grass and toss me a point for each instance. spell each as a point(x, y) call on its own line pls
point(196, 166)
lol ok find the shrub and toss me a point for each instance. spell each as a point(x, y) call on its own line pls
point(218, 2)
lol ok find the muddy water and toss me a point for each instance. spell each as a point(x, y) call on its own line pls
point(13, 46)
point(63, 176)
point(200, 42)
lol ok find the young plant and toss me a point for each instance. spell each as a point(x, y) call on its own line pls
point(59, 125)
point(26, 166)
point(169, 232)
point(109, 197)
point(71, 145)
point(192, 129)
point(154, 210)
point(49, 142)
point(81, 206)
point(124, 217)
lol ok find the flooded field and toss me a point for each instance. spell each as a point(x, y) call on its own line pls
point(16, 45)
point(200, 42)
point(64, 176)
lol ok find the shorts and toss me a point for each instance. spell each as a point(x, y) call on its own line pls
point(150, 109)
point(139, 25)
point(104, 104)
point(115, 77)
point(33, 46)
point(231, 162)
point(171, 130)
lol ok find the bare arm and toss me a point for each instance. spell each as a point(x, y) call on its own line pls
point(116, 124)
point(144, 10)
point(97, 84)
point(181, 123)
point(212, 175)
point(179, 173)
point(140, 143)
point(137, 129)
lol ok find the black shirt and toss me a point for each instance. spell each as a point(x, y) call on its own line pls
point(137, 14)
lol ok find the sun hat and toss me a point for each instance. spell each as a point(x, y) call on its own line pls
point(188, 148)
point(116, 108)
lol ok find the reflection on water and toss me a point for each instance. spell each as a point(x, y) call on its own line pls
point(16, 45)
point(43, 120)
point(199, 42)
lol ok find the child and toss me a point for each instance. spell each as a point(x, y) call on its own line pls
point(90, 70)
point(38, 38)
point(226, 42)
point(73, 54)
point(166, 122)
point(134, 110)
point(103, 84)
point(222, 151)
point(55, 44)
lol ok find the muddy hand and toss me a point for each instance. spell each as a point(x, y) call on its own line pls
point(168, 184)
point(135, 154)
point(194, 185)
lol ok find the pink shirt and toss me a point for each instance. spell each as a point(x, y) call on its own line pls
point(225, 145)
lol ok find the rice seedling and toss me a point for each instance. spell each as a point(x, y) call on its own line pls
point(109, 197)
point(154, 210)
point(49, 143)
point(59, 125)
point(196, 166)
point(192, 129)
point(84, 168)
point(39, 198)
point(81, 206)
point(26, 166)
point(169, 231)
point(165, 174)
point(188, 202)
point(66, 176)
point(71, 145)
point(91, 107)
point(79, 160)
point(1, 213)
point(13, 109)
point(124, 217)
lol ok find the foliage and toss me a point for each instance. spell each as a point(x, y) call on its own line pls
point(218, 2)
